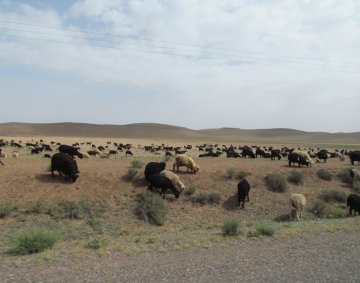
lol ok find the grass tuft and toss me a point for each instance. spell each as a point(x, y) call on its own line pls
point(296, 177)
point(324, 174)
point(151, 207)
point(356, 186)
point(191, 190)
point(33, 240)
point(6, 207)
point(344, 176)
point(131, 173)
point(231, 227)
point(334, 195)
point(327, 210)
point(263, 229)
point(137, 163)
point(276, 182)
point(231, 173)
point(95, 244)
point(207, 198)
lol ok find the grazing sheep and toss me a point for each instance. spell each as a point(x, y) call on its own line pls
point(64, 164)
point(353, 202)
point(297, 203)
point(243, 192)
point(188, 162)
point(85, 155)
point(153, 168)
point(128, 152)
point(162, 183)
point(175, 180)
point(72, 151)
point(275, 153)
point(304, 155)
point(104, 155)
point(354, 156)
point(93, 152)
point(47, 155)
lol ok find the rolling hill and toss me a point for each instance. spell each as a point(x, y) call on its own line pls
point(152, 130)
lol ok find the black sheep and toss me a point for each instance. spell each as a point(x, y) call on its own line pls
point(295, 158)
point(128, 152)
point(163, 183)
point(353, 202)
point(64, 164)
point(153, 168)
point(275, 153)
point(243, 191)
point(354, 156)
point(72, 151)
point(248, 152)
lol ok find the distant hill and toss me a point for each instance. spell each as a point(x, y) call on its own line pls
point(152, 130)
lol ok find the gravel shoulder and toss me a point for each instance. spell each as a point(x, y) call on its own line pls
point(316, 257)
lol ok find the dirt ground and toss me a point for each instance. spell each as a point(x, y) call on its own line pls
point(27, 178)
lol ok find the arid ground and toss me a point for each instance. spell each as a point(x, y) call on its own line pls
point(188, 223)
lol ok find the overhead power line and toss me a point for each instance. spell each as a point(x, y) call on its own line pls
point(118, 42)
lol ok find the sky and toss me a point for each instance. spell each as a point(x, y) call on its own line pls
point(198, 64)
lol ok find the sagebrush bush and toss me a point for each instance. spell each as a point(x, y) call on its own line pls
point(334, 195)
point(191, 190)
point(33, 240)
point(167, 158)
point(131, 173)
point(276, 182)
point(242, 174)
point(207, 198)
point(265, 229)
point(81, 209)
point(231, 227)
point(344, 176)
point(151, 207)
point(231, 173)
point(324, 174)
point(137, 163)
point(37, 207)
point(327, 210)
point(6, 207)
point(95, 244)
point(356, 186)
point(296, 177)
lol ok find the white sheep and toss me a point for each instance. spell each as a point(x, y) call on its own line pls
point(297, 203)
point(175, 180)
point(85, 155)
point(187, 161)
point(304, 155)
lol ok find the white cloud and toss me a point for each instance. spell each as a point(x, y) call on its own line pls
point(301, 52)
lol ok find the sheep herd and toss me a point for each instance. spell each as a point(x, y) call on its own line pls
point(158, 177)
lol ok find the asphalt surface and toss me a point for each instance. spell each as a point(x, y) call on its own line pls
point(324, 257)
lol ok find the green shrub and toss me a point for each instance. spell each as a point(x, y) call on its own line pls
point(6, 207)
point(231, 173)
point(344, 176)
point(37, 207)
point(296, 177)
point(33, 240)
point(334, 195)
point(76, 209)
point(191, 190)
point(242, 174)
point(131, 173)
point(342, 158)
point(207, 198)
point(151, 208)
point(214, 198)
point(95, 244)
point(324, 174)
point(137, 163)
point(276, 182)
point(231, 227)
point(167, 158)
point(263, 229)
point(356, 186)
point(95, 223)
point(325, 210)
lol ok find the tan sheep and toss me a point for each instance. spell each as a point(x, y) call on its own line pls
point(297, 203)
point(175, 180)
point(187, 161)
point(304, 155)
point(85, 155)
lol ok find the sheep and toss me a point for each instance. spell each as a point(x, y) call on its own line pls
point(128, 152)
point(47, 155)
point(297, 203)
point(85, 155)
point(354, 156)
point(104, 155)
point(353, 202)
point(243, 192)
point(162, 183)
point(188, 162)
point(175, 180)
point(304, 155)
point(72, 151)
point(64, 164)
point(153, 168)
